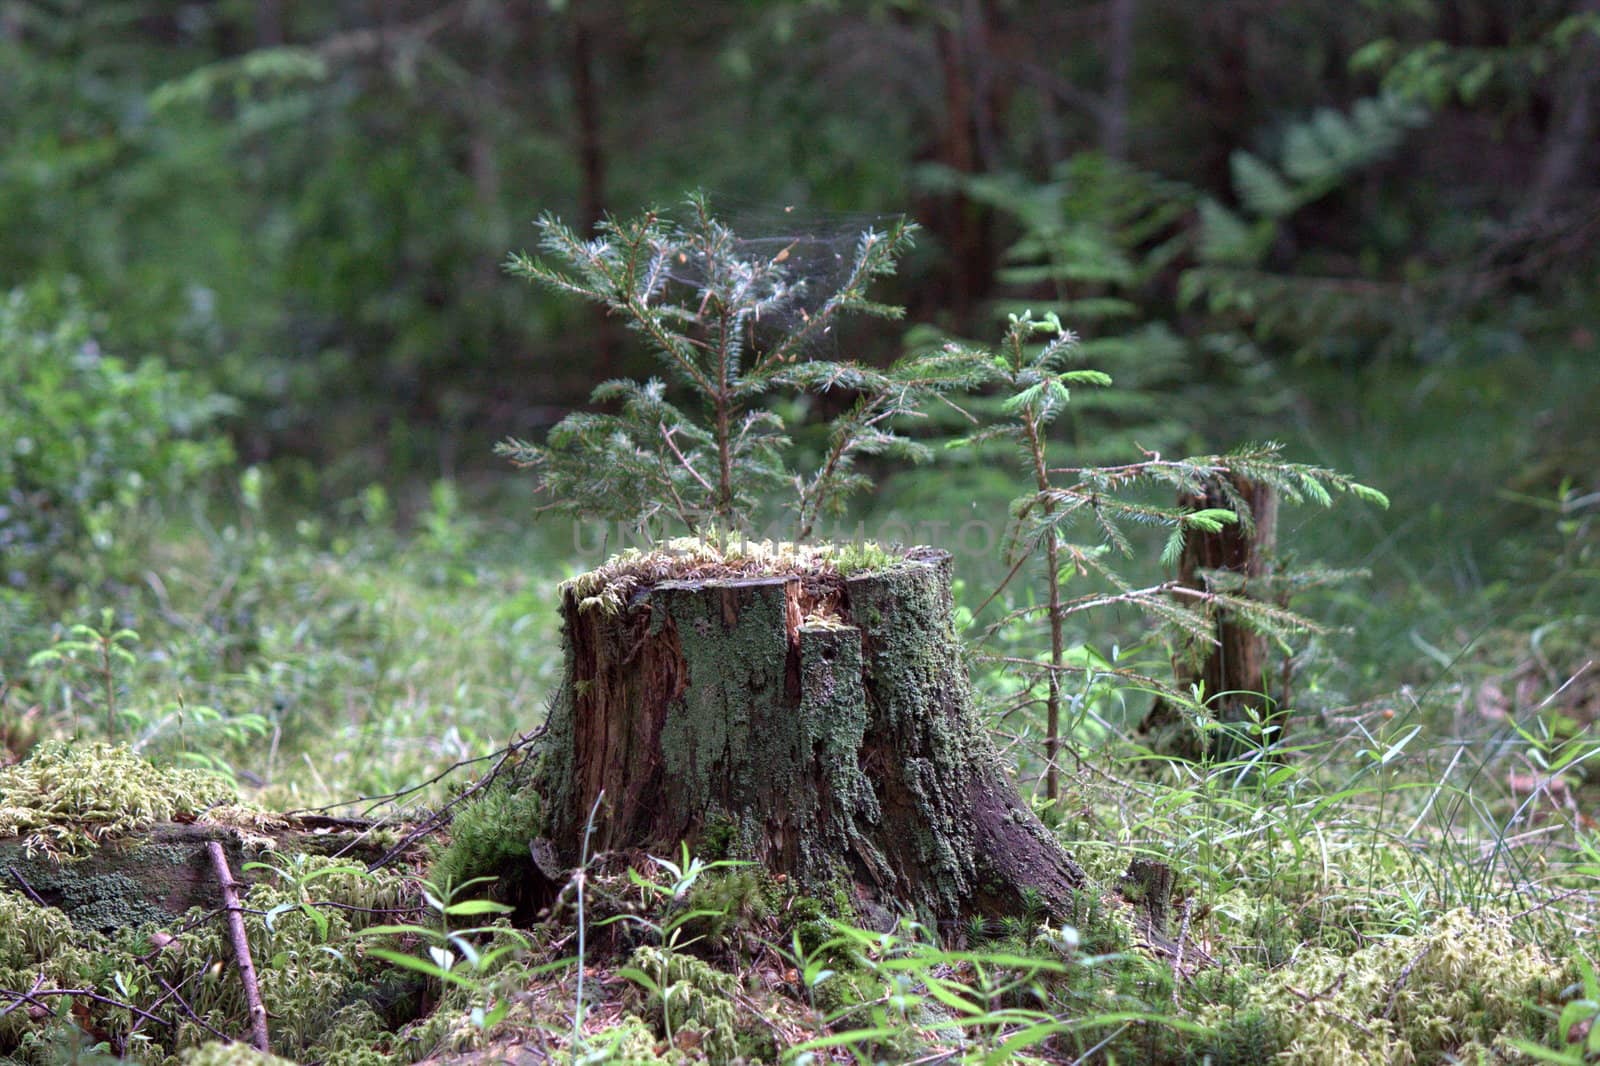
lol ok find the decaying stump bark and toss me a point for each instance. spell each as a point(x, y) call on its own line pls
point(1233, 673)
point(822, 726)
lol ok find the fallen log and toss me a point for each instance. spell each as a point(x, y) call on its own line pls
point(157, 873)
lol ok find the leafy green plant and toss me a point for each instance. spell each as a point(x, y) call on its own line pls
point(1039, 389)
point(88, 662)
point(1438, 73)
point(96, 667)
point(1234, 280)
point(667, 896)
point(1095, 240)
point(91, 438)
point(456, 956)
point(872, 991)
point(670, 892)
point(731, 322)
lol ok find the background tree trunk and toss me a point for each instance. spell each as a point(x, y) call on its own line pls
point(1119, 71)
point(821, 726)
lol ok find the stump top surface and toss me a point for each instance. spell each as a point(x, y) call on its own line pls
point(688, 563)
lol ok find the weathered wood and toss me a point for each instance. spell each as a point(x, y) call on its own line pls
point(1234, 673)
point(156, 874)
point(824, 728)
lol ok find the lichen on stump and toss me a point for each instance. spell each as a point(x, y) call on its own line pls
point(818, 722)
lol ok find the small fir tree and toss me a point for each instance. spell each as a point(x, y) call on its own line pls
point(1036, 386)
point(731, 323)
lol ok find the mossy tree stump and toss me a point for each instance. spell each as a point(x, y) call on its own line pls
point(819, 724)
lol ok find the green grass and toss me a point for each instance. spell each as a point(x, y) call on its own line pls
point(1416, 867)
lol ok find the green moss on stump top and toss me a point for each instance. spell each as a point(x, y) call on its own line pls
point(64, 798)
point(609, 586)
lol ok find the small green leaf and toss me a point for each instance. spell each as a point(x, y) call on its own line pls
point(422, 966)
point(470, 907)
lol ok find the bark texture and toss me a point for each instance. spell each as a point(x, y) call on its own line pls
point(1235, 671)
point(822, 727)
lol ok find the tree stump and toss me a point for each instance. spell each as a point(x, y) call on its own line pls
point(819, 724)
point(1233, 673)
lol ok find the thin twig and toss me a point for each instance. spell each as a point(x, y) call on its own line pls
point(24, 997)
point(442, 815)
point(27, 888)
point(38, 993)
point(1552, 901)
point(241, 947)
point(1183, 936)
point(666, 436)
point(410, 789)
point(1400, 981)
point(172, 994)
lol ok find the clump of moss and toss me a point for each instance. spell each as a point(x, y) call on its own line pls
point(1461, 988)
point(308, 971)
point(699, 995)
point(728, 904)
point(1247, 1038)
point(630, 1041)
point(319, 990)
point(38, 944)
point(608, 587)
point(216, 1053)
point(449, 1028)
point(63, 799)
point(489, 836)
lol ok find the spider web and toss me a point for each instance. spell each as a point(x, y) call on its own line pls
point(807, 254)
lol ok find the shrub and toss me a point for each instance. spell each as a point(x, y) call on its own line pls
point(90, 438)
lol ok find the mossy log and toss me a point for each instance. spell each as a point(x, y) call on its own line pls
point(157, 873)
point(821, 725)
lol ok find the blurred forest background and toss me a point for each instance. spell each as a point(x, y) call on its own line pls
point(307, 205)
point(1368, 228)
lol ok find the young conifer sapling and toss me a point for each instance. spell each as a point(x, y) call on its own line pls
point(731, 324)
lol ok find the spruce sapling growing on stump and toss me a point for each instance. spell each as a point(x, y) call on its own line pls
point(730, 323)
point(805, 707)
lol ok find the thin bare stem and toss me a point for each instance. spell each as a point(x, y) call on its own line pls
point(241, 948)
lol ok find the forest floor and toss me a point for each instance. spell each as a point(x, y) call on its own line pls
point(1412, 876)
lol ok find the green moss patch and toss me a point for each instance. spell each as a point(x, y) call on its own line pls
point(1459, 989)
point(609, 586)
point(64, 798)
point(322, 993)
